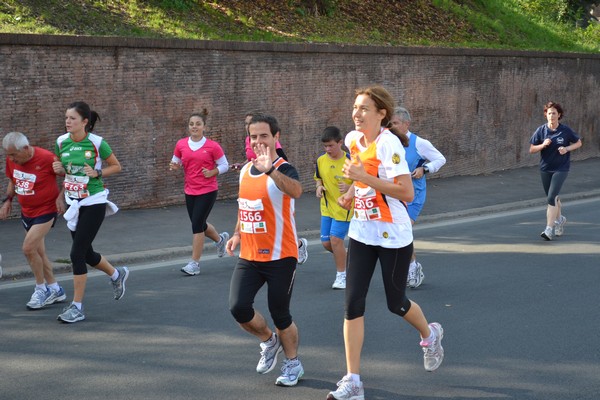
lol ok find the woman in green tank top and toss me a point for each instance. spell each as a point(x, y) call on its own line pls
point(82, 155)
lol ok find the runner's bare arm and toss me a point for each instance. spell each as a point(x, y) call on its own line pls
point(6, 206)
point(233, 243)
point(287, 185)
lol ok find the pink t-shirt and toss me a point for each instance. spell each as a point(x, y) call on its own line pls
point(194, 161)
point(250, 153)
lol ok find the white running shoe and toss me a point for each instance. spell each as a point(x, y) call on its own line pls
point(548, 234)
point(71, 314)
point(192, 268)
point(221, 244)
point(268, 355)
point(340, 282)
point(433, 353)
point(56, 296)
point(415, 276)
point(38, 298)
point(559, 226)
point(347, 390)
point(291, 372)
point(302, 251)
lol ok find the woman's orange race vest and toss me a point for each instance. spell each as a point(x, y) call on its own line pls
point(369, 204)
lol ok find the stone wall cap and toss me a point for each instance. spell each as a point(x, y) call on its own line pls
point(22, 39)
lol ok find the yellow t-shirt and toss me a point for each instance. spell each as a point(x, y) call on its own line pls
point(330, 172)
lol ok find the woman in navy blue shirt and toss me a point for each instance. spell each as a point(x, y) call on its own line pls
point(555, 142)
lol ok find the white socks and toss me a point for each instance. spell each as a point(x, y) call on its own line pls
point(271, 341)
point(355, 378)
point(429, 340)
point(115, 275)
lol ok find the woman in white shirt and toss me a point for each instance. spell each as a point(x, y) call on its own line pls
point(379, 231)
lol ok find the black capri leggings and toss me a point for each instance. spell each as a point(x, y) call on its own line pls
point(88, 225)
point(198, 208)
point(247, 279)
point(360, 265)
point(552, 182)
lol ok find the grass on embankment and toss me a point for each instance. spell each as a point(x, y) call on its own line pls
point(499, 24)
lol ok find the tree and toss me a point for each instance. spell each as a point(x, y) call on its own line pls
point(319, 7)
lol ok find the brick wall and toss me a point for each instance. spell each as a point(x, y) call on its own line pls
point(479, 107)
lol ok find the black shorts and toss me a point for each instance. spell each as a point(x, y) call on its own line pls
point(198, 207)
point(42, 219)
point(362, 260)
point(247, 279)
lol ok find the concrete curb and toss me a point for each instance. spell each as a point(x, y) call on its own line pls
point(524, 204)
point(183, 252)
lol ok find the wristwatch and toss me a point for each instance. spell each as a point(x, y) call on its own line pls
point(425, 169)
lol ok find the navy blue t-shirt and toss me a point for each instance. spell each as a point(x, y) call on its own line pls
point(551, 160)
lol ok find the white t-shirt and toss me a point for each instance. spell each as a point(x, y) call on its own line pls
point(379, 220)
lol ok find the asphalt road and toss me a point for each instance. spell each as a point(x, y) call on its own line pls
point(520, 315)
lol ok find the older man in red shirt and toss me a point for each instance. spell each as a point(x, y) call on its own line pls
point(33, 181)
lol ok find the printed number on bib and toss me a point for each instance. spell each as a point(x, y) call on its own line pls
point(24, 183)
point(76, 186)
point(365, 204)
point(251, 216)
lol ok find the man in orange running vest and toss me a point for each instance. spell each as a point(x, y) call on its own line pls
point(266, 233)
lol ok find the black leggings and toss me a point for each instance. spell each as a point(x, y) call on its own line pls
point(88, 225)
point(360, 265)
point(198, 208)
point(552, 182)
point(247, 279)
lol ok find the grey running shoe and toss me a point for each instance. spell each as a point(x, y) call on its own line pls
point(548, 234)
point(559, 227)
point(291, 372)
point(302, 251)
point(433, 353)
point(38, 299)
point(71, 314)
point(119, 284)
point(192, 268)
point(221, 245)
point(415, 277)
point(347, 390)
point(268, 356)
point(340, 282)
point(56, 296)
